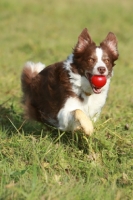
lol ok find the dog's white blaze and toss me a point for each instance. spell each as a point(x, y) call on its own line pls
point(100, 63)
point(99, 54)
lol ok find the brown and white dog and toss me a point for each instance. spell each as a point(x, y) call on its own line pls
point(62, 94)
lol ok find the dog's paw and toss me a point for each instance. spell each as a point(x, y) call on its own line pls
point(84, 121)
point(88, 127)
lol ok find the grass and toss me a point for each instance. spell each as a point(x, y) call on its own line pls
point(42, 163)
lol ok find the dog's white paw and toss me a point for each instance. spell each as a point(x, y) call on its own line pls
point(84, 121)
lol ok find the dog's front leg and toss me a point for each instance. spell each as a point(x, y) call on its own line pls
point(84, 121)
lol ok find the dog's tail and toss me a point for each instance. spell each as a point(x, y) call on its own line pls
point(30, 70)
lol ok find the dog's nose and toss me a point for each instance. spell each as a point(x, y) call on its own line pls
point(101, 70)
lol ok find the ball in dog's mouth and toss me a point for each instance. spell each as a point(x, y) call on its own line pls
point(97, 82)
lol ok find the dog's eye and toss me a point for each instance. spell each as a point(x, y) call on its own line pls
point(106, 61)
point(90, 60)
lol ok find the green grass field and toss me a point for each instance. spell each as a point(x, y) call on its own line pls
point(42, 163)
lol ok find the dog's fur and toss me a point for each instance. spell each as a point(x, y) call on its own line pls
point(62, 94)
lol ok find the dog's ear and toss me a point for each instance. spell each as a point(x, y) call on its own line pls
point(84, 40)
point(111, 42)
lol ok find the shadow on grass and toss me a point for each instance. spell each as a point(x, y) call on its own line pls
point(13, 122)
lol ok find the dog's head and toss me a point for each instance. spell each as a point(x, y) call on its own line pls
point(95, 60)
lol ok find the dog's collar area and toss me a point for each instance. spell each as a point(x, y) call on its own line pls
point(87, 93)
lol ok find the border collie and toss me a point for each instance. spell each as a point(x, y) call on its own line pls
point(62, 94)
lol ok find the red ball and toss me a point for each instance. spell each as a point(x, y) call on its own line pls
point(98, 80)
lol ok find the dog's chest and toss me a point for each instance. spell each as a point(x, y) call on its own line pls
point(93, 104)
